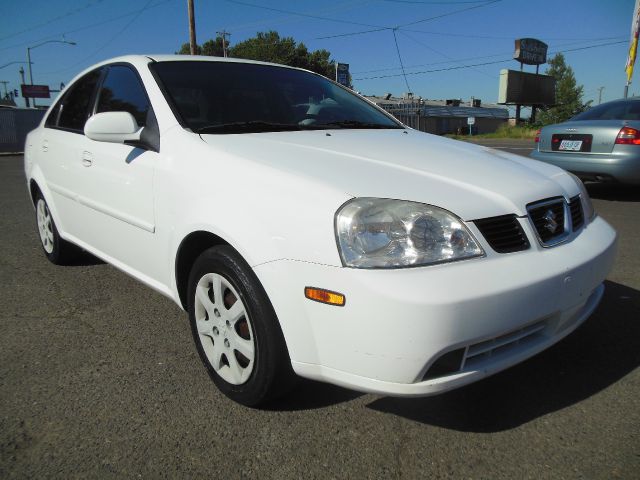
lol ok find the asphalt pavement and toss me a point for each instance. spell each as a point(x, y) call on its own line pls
point(99, 378)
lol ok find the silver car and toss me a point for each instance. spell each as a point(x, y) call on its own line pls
point(601, 144)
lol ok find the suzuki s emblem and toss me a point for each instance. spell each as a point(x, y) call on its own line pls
point(550, 221)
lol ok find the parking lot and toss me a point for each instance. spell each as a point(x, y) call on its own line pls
point(99, 378)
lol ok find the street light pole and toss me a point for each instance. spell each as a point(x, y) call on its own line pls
point(29, 59)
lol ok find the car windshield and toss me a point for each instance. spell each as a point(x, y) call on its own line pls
point(229, 97)
point(620, 110)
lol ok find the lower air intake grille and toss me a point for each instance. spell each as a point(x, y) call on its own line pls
point(503, 233)
point(482, 351)
point(477, 355)
point(577, 216)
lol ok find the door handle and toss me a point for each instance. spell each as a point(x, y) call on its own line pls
point(87, 159)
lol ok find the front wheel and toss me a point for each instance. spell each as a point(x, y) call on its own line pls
point(236, 330)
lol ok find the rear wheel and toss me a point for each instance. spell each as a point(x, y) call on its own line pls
point(235, 329)
point(57, 250)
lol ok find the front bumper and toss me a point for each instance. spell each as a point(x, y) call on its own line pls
point(623, 167)
point(498, 310)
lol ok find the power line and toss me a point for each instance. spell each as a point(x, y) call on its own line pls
point(484, 63)
point(401, 27)
point(306, 15)
point(90, 26)
point(428, 19)
point(350, 34)
point(456, 60)
point(510, 37)
point(428, 47)
point(441, 2)
point(395, 39)
point(52, 20)
point(108, 42)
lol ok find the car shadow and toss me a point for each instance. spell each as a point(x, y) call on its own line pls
point(614, 192)
point(602, 351)
point(311, 395)
point(82, 258)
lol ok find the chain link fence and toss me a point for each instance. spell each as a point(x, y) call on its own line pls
point(15, 124)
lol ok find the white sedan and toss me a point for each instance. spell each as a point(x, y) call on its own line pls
point(308, 232)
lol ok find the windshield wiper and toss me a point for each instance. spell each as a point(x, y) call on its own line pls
point(248, 127)
point(357, 124)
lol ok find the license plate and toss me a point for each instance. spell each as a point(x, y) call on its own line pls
point(571, 145)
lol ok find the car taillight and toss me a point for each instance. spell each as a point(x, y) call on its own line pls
point(628, 136)
point(538, 135)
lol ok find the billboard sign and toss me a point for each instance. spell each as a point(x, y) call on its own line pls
point(342, 74)
point(530, 51)
point(35, 91)
point(521, 88)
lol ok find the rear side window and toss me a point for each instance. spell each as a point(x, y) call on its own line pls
point(73, 109)
point(122, 91)
point(621, 110)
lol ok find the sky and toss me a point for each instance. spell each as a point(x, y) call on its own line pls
point(449, 49)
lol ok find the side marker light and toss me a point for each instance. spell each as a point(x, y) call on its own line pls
point(324, 296)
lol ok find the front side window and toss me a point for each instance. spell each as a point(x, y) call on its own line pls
point(229, 97)
point(73, 110)
point(122, 92)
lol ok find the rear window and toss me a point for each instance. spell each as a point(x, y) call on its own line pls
point(73, 109)
point(620, 110)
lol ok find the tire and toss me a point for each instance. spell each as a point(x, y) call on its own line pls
point(235, 329)
point(57, 250)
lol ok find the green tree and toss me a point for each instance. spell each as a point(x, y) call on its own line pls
point(568, 93)
point(270, 47)
point(212, 48)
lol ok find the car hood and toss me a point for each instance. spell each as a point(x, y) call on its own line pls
point(469, 180)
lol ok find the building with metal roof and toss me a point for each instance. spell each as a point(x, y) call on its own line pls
point(444, 116)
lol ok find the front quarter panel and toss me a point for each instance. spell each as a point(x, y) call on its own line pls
point(263, 213)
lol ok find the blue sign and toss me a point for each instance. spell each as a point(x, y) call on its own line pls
point(342, 74)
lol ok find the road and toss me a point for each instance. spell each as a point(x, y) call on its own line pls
point(99, 378)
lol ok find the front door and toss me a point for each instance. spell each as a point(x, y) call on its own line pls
point(116, 188)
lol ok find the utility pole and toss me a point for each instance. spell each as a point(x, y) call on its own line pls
point(26, 99)
point(600, 95)
point(192, 28)
point(224, 34)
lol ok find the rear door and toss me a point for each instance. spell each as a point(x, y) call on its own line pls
point(61, 146)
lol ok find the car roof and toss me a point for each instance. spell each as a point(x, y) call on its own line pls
point(140, 60)
point(629, 99)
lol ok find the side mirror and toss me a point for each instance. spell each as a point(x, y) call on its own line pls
point(113, 127)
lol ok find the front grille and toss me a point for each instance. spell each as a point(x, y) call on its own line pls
point(577, 216)
point(548, 219)
point(503, 233)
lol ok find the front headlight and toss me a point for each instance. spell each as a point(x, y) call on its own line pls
point(383, 233)
point(587, 205)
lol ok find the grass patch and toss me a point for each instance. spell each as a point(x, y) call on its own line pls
point(504, 131)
